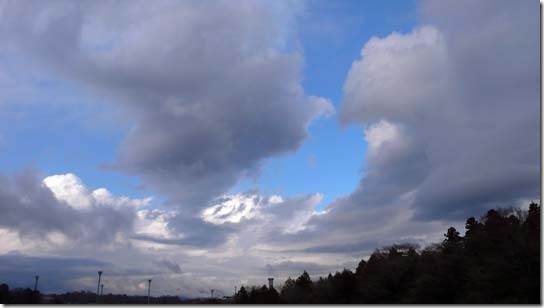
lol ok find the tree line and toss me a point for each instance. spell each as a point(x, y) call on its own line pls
point(29, 296)
point(497, 261)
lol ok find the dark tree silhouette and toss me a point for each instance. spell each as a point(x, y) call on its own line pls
point(497, 261)
point(4, 294)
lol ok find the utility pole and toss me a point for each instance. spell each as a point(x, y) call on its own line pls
point(98, 287)
point(36, 283)
point(148, 290)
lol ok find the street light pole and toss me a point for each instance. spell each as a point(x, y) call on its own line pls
point(98, 287)
point(36, 283)
point(148, 290)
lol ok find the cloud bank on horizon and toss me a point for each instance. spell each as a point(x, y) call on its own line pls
point(450, 112)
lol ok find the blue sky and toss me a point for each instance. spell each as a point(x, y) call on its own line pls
point(330, 161)
point(179, 100)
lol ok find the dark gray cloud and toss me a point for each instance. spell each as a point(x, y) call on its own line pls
point(170, 265)
point(351, 248)
point(494, 158)
point(62, 274)
point(29, 207)
point(351, 229)
point(181, 228)
point(57, 274)
point(158, 240)
point(211, 91)
point(451, 117)
point(464, 98)
point(198, 232)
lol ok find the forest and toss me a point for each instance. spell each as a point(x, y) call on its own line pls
point(497, 261)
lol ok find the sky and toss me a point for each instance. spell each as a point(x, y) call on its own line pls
point(217, 143)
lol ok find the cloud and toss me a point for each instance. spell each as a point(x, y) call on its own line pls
point(62, 206)
point(59, 219)
point(63, 231)
point(154, 223)
point(69, 188)
point(461, 104)
point(201, 119)
point(211, 91)
point(233, 209)
point(452, 129)
point(350, 230)
point(290, 268)
point(380, 84)
point(171, 265)
point(249, 216)
point(286, 215)
point(56, 274)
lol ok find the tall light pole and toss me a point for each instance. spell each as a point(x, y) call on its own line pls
point(36, 283)
point(98, 287)
point(148, 290)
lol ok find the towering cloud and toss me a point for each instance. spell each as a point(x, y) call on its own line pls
point(211, 90)
point(451, 117)
point(467, 97)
